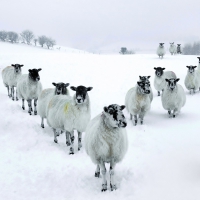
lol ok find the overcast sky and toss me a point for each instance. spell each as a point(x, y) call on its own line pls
point(99, 25)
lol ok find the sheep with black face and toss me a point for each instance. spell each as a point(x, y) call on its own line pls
point(46, 95)
point(173, 97)
point(161, 50)
point(10, 76)
point(179, 50)
point(70, 113)
point(29, 88)
point(106, 141)
point(160, 76)
point(145, 79)
point(192, 81)
point(138, 101)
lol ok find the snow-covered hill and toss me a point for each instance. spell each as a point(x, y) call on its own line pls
point(163, 158)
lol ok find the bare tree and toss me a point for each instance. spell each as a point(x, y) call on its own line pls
point(42, 40)
point(35, 41)
point(12, 36)
point(27, 36)
point(3, 35)
point(123, 50)
point(50, 42)
point(190, 49)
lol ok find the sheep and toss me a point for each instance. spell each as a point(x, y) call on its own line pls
point(159, 79)
point(161, 50)
point(192, 81)
point(198, 64)
point(29, 87)
point(172, 48)
point(138, 101)
point(146, 80)
point(10, 77)
point(46, 95)
point(179, 49)
point(173, 97)
point(70, 113)
point(106, 141)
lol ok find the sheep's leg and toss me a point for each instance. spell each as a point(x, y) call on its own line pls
point(141, 116)
point(67, 138)
point(29, 105)
point(135, 120)
point(131, 116)
point(35, 106)
point(97, 172)
point(71, 149)
point(13, 91)
point(158, 93)
point(170, 114)
point(112, 173)
point(23, 106)
point(103, 171)
point(175, 112)
point(16, 95)
point(42, 122)
point(9, 91)
point(79, 140)
point(55, 135)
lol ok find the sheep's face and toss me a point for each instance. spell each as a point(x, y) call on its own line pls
point(178, 45)
point(17, 67)
point(161, 45)
point(171, 44)
point(144, 87)
point(171, 83)
point(81, 92)
point(114, 116)
point(159, 71)
point(145, 79)
point(61, 88)
point(199, 59)
point(34, 75)
point(191, 69)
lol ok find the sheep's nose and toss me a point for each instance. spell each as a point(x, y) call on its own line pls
point(38, 78)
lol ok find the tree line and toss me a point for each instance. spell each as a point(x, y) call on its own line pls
point(26, 37)
point(192, 49)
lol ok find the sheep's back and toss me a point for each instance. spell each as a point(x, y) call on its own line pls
point(160, 51)
point(104, 144)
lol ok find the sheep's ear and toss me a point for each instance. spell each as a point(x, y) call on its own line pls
point(167, 80)
point(155, 68)
point(105, 109)
point(39, 69)
point(67, 84)
point(194, 66)
point(163, 68)
point(73, 88)
point(13, 65)
point(30, 70)
point(140, 77)
point(188, 66)
point(177, 79)
point(89, 88)
point(122, 107)
point(148, 77)
point(21, 65)
point(139, 83)
point(198, 57)
point(54, 84)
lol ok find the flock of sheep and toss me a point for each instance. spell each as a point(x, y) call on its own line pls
point(173, 49)
point(105, 135)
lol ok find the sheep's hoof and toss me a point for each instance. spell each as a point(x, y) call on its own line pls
point(42, 125)
point(174, 116)
point(169, 112)
point(68, 143)
point(113, 187)
point(141, 122)
point(35, 112)
point(71, 153)
point(23, 108)
point(17, 99)
point(79, 146)
point(30, 113)
point(56, 141)
point(13, 99)
point(31, 109)
point(97, 174)
point(135, 123)
point(104, 187)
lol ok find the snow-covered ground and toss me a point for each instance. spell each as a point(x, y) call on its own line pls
point(163, 158)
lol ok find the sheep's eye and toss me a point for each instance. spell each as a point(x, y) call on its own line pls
point(111, 112)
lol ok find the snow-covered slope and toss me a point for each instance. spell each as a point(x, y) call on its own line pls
point(163, 158)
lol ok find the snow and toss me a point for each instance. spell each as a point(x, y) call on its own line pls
point(163, 158)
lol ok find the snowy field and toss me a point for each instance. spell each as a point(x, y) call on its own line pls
point(163, 158)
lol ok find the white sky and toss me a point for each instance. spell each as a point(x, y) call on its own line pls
point(99, 25)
